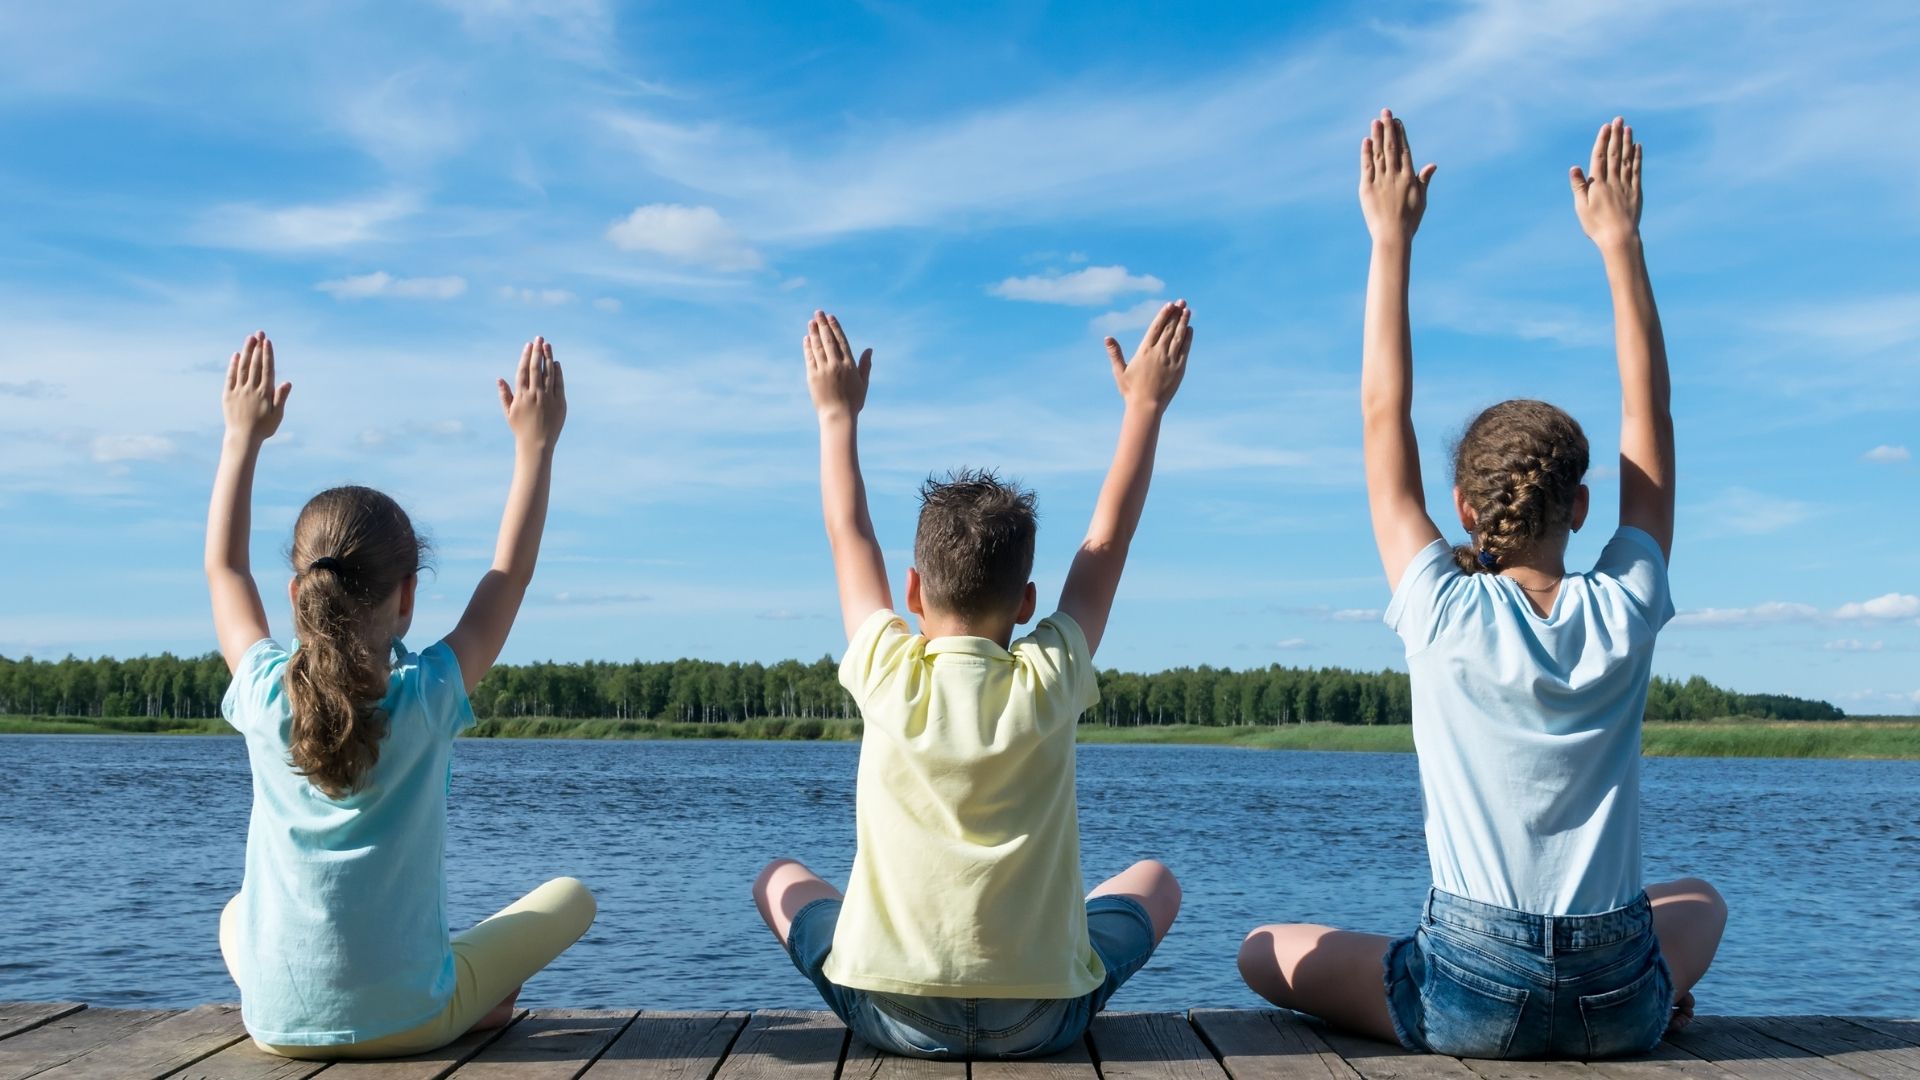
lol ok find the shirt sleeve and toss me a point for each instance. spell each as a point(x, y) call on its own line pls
point(874, 653)
point(256, 684)
point(444, 690)
point(1633, 560)
point(1061, 662)
point(1414, 612)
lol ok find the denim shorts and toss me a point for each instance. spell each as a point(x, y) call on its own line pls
point(975, 1029)
point(1478, 980)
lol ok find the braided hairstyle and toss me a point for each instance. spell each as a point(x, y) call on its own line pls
point(1519, 467)
point(352, 547)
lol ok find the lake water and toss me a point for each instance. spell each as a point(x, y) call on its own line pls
point(117, 854)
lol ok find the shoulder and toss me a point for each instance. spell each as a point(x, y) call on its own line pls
point(431, 681)
point(1057, 634)
point(1432, 585)
point(882, 645)
point(1633, 564)
point(1056, 659)
point(256, 682)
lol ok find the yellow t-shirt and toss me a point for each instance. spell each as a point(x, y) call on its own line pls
point(966, 881)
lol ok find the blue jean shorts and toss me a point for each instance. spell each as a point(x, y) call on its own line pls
point(975, 1029)
point(1478, 980)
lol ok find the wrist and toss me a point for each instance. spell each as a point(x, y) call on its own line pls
point(1625, 247)
point(838, 414)
point(534, 446)
point(241, 441)
point(1393, 243)
point(1146, 408)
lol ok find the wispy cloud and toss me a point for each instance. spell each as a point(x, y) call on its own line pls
point(1090, 287)
point(310, 227)
point(381, 283)
point(1887, 455)
point(544, 297)
point(1137, 317)
point(1854, 645)
point(688, 234)
point(599, 598)
point(31, 390)
point(1891, 607)
point(1741, 511)
point(117, 449)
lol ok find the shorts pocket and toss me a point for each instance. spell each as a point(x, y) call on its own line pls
point(1466, 1014)
point(1631, 1019)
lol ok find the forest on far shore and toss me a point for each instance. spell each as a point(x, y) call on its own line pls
point(708, 691)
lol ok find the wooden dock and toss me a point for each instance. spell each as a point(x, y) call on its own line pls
point(63, 1040)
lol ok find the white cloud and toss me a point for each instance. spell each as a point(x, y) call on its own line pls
point(793, 283)
point(1854, 645)
point(1772, 611)
point(113, 449)
point(688, 234)
point(381, 283)
point(1882, 608)
point(542, 297)
point(599, 598)
point(313, 227)
point(1090, 287)
point(606, 303)
point(1887, 455)
point(1117, 322)
point(1357, 615)
point(1293, 644)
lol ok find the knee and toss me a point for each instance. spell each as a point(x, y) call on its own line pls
point(1161, 879)
point(763, 882)
point(576, 900)
point(1708, 895)
point(1258, 960)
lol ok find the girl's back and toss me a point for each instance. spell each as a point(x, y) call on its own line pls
point(1528, 726)
point(376, 852)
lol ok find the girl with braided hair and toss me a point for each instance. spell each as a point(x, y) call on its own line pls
point(338, 939)
point(1538, 938)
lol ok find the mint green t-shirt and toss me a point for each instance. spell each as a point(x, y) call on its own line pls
point(342, 916)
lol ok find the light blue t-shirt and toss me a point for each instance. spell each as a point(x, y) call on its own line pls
point(1528, 728)
point(343, 912)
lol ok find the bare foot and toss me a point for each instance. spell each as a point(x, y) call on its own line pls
point(498, 1016)
point(1682, 1013)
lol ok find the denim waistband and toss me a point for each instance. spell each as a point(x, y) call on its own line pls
point(1548, 933)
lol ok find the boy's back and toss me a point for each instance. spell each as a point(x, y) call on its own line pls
point(967, 881)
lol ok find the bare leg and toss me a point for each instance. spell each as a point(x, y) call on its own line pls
point(1688, 918)
point(499, 1015)
point(1152, 884)
point(782, 889)
point(1334, 974)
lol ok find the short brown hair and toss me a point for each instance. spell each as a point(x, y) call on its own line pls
point(1519, 467)
point(974, 547)
point(352, 547)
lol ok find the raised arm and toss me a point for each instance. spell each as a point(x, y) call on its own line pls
point(1608, 202)
point(536, 408)
point(838, 385)
point(1147, 385)
point(253, 406)
point(1393, 196)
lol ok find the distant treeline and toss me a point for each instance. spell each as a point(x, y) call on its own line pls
point(705, 691)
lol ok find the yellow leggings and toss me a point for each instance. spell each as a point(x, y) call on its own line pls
point(490, 961)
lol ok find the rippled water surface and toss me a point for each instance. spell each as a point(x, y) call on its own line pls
point(116, 855)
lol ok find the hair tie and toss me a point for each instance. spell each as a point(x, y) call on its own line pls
point(1488, 560)
point(326, 562)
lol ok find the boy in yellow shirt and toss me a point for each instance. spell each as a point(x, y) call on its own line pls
point(963, 934)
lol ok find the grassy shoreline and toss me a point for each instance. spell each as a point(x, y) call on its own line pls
point(1880, 738)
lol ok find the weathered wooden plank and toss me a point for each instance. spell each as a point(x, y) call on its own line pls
point(549, 1044)
point(64, 1039)
point(1375, 1060)
point(431, 1065)
point(155, 1050)
point(1862, 1049)
point(865, 1062)
point(670, 1046)
point(1528, 1070)
point(19, 1016)
point(1073, 1063)
point(245, 1061)
point(779, 1044)
point(1266, 1044)
point(1743, 1051)
point(1907, 1031)
point(1666, 1062)
point(1156, 1046)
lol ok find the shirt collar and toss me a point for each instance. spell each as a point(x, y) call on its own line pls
point(984, 648)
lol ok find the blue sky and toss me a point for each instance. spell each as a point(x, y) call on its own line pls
point(402, 194)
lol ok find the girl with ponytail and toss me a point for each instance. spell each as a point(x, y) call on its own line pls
point(1538, 938)
point(338, 938)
